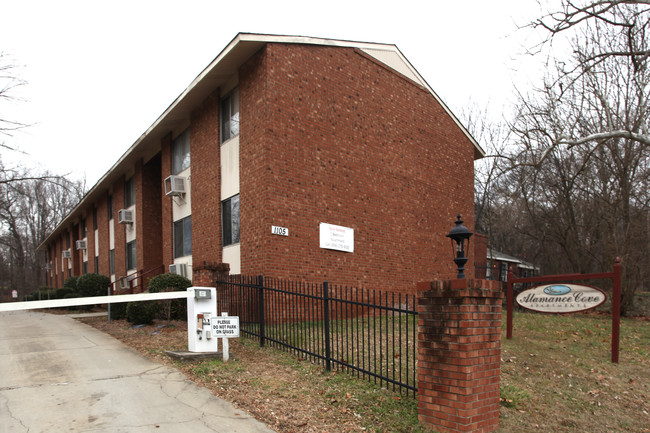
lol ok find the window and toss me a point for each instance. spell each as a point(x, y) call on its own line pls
point(181, 152)
point(94, 218)
point(85, 268)
point(230, 219)
point(504, 272)
point(131, 256)
point(129, 192)
point(84, 229)
point(97, 264)
point(230, 116)
point(109, 204)
point(183, 237)
point(111, 261)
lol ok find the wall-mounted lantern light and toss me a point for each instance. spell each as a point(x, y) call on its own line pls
point(459, 236)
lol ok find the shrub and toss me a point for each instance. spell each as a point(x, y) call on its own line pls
point(44, 290)
point(142, 312)
point(173, 309)
point(93, 285)
point(42, 294)
point(61, 293)
point(118, 310)
point(71, 283)
point(168, 283)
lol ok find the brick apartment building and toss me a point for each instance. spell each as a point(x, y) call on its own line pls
point(293, 157)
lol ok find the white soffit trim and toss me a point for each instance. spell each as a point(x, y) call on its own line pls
point(395, 61)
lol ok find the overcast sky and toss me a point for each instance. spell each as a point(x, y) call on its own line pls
point(100, 73)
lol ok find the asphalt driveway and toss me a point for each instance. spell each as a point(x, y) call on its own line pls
point(59, 375)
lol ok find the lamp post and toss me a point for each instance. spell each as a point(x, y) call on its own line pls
point(460, 235)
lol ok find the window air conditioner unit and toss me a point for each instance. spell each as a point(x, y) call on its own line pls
point(175, 186)
point(66, 254)
point(179, 269)
point(125, 216)
point(124, 283)
point(81, 245)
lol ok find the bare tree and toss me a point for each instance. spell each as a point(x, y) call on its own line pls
point(626, 19)
point(31, 203)
point(580, 170)
point(9, 81)
point(28, 210)
point(604, 35)
point(493, 136)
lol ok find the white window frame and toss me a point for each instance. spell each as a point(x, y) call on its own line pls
point(181, 158)
point(111, 261)
point(129, 192)
point(185, 225)
point(233, 234)
point(229, 111)
point(131, 255)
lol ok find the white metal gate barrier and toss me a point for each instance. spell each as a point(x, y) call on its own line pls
point(204, 327)
point(75, 302)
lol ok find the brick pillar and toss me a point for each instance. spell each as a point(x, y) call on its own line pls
point(206, 274)
point(459, 352)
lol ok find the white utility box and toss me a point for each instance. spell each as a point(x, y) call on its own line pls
point(201, 308)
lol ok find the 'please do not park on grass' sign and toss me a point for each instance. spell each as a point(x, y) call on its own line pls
point(561, 298)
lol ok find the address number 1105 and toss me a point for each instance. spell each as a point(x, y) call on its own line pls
point(281, 231)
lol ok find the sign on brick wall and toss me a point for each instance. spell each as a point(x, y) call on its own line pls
point(336, 238)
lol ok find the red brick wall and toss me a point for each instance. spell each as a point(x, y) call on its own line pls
point(167, 215)
point(49, 281)
point(77, 255)
point(149, 233)
point(254, 146)
point(206, 182)
point(140, 217)
point(102, 235)
point(90, 238)
point(56, 264)
point(120, 230)
point(51, 274)
point(329, 135)
point(62, 268)
point(64, 246)
point(78, 235)
point(459, 352)
point(148, 193)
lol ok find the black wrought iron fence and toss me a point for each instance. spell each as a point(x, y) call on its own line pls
point(372, 334)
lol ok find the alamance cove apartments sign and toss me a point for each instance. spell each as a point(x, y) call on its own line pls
point(336, 238)
point(561, 298)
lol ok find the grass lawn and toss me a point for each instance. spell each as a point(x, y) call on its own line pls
point(556, 376)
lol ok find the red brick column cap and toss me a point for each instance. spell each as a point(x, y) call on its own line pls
point(214, 267)
point(460, 288)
